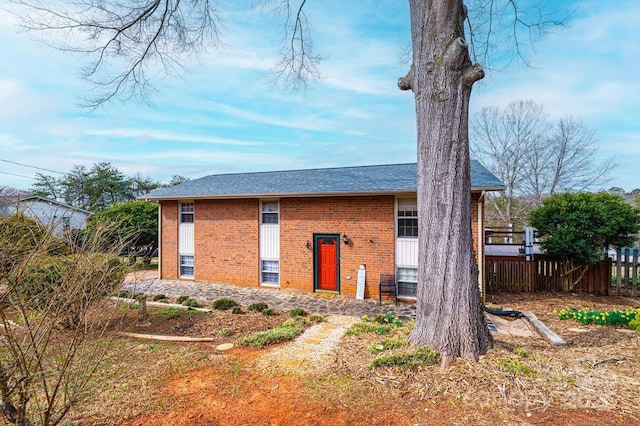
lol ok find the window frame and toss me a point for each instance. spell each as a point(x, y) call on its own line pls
point(411, 220)
point(276, 213)
point(185, 213)
point(182, 265)
point(270, 272)
point(406, 281)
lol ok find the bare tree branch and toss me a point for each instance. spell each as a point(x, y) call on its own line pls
point(298, 64)
point(535, 158)
point(127, 42)
point(497, 27)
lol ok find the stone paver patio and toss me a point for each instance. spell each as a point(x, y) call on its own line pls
point(284, 300)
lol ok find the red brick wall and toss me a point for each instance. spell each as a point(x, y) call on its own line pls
point(227, 245)
point(479, 249)
point(169, 239)
point(474, 220)
point(362, 219)
point(226, 241)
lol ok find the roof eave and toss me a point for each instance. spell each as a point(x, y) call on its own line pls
point(488, 189)
point(276, 195)
point(297, 194)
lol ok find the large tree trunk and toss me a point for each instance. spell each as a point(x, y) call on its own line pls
point(449, 309)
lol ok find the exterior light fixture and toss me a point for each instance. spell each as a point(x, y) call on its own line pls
point(345, 239)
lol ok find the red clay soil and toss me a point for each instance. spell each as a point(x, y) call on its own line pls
point(242, 397)
point(239, 396)
point(238, 393)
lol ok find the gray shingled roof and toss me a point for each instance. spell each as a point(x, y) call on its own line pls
point(392, 178)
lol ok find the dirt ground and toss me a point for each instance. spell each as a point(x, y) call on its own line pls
point(155, 383)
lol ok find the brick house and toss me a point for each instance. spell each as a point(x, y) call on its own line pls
point(308, 230)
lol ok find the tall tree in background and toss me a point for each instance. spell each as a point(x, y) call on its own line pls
point(47, 186)
point(499, 138)
point(92, 189)
point(136, 221)
point(139, 35)
point(534, 157)
point(107, 185)
point(97, 188)
point(75, 184)
point(177, 180)
point(143, 185)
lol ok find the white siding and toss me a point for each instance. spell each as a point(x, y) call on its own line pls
point(407, 252)
point(49, 214)
point(185, 239)
point(270, 242)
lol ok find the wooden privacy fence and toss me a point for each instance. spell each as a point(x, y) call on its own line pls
point(515, 273)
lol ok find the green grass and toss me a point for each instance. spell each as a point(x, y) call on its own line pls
point(523, 353)
point(297, 312)
point(257, 307)
point(516, 367)
point(316, 318)
point(361, 328)
point(387, 344)
point(286, 331)
point(171, 311)
point(381, 324)
point(190, 302)
point(223, 304)
point(422, 356)
point(224, 332)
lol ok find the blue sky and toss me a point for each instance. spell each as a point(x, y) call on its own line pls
point(223, 115)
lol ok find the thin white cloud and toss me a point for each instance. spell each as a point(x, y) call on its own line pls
point(13, 143)
point(126, 133)
point(305, 123)
point(16, 100)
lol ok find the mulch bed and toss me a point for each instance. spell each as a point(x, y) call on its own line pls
point(562, 376)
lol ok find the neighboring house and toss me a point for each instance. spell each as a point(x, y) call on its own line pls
point(60, 217)
point(308, 230)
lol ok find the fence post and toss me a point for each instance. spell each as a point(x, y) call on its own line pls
point(625, 252)
point(618, 270)
point(634, 276)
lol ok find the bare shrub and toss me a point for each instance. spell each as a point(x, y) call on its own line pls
point(54, 318)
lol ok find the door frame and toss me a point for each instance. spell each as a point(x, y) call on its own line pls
point(316, 265)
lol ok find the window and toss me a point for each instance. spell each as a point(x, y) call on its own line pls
point(407, 218)
point(187, 212)
point(186, 266)
point(270, 271)
point(407, 282)
point(270, 212)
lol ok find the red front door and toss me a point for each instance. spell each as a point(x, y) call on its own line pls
point(327, 263)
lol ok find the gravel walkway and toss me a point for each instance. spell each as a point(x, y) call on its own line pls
point(311, 351)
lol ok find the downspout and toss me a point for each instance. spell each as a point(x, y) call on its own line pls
point(159, 240)
point(481, 245)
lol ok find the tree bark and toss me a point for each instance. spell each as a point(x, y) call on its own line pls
point(449, 315)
